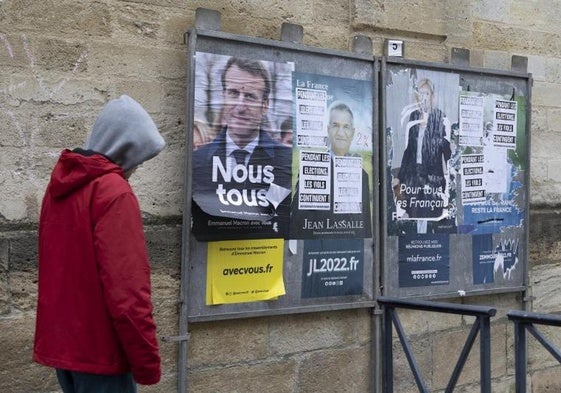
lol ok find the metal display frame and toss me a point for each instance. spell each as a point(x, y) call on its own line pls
point(496, 82)
point(380, 251)
point(306, 59)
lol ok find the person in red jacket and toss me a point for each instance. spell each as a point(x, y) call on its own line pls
point(94, 311)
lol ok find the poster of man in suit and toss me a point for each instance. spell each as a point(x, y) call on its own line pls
point(241, 172)
point(333, 156)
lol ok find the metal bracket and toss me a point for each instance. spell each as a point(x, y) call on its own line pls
point(362, 44)
point(208, 19)
point(291, 32)
point(185, 337)
point(377, 311)
point(460, 56)
point(519, 63)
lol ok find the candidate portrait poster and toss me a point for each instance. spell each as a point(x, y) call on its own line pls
point(332, 157)
point(421, 116)
point(241, 171)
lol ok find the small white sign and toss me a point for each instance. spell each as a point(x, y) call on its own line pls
point(394, 48)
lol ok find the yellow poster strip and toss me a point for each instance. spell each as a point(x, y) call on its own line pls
point(240, 271)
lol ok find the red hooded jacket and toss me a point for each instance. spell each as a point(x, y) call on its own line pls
point(94, 312)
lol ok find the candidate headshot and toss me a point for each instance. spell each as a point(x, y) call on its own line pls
point(340, 128)
point(246, 86)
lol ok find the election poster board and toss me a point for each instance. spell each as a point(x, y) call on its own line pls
point(455, 204)
point(280, 178)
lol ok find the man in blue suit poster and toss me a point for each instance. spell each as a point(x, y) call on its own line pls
point(241, 179)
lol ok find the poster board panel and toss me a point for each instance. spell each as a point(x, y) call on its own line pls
point(455, 176)
point(285, 226)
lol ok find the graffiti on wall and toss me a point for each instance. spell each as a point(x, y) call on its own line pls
point(26, 129)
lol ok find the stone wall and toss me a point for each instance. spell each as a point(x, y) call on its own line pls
point(61, 60)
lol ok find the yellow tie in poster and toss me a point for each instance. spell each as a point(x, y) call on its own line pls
point(244, 271)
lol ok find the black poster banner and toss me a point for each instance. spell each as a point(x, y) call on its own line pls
point(332, 267)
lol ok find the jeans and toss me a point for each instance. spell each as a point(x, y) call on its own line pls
point(76, 382)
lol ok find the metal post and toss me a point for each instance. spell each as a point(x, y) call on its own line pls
point(485, 353)
point(388, 351)
point(520, 356)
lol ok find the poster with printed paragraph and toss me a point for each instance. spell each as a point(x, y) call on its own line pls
point(499, 203)
point(471, 120)
point(244, 271)
point(472, 171)
point(424, 260)
point(419, 127)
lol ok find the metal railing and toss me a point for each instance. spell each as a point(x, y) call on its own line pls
point(481, 325)
point(524, 321)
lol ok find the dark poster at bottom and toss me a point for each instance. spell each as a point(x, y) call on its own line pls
point(332, 267)
point(424, 260)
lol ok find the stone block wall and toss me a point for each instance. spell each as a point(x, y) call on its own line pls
point(60, 61)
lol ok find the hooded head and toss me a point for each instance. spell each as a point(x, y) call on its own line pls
point(125, 133)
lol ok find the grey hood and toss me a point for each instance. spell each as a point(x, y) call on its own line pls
point(125, 133)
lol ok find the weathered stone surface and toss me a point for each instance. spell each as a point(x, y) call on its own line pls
point(135, 61)
point(18, 373)
point(402, 15)
point(418, 322)
point(546, 93)
point(497, 59)
point(61, 60)
point(302, 333)
point(537, 67)
point(517, 39)
point(447, 347)
point(238, 342)
point(546, 381)
point(501, 302)
point(61, 17)
point(422, 349)
point(491, 10)
point(246, 378)
point(5, 294)
point(545, 286)
point(545, 230)
point(336, 371)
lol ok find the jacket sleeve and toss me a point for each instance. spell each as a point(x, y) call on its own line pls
point(125, 274)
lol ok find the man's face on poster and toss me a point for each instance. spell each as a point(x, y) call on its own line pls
point(340, 131)
point(244, 104)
